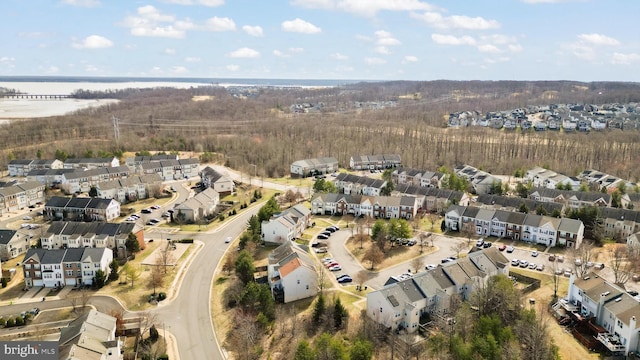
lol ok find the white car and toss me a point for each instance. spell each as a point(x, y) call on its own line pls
point(335, 268)
point(227, 240)
point(430, 267)
point(27, 218)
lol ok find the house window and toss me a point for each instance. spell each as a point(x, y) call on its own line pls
point(27, 266)
point(69, 273)
point(298, 282)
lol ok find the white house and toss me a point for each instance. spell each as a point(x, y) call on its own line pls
point(58, 268)
point(592, 298)
point(12, 244)
point(198, 207)
point(292, 273)
point(286, 225)
point(91, 336)
point(307, 167)
point(210, 178)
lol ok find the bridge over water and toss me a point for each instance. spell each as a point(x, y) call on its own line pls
point(35, 96)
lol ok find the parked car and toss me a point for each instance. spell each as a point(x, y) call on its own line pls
point(411, 243)
point(552, 257)
point(34, 311)
point(27, 218)
point(330, 229)
point(343, 280)
point(568, 272)
point(322, 237)
point(445, 260)
point(155, 207)
point(532, 266)
point(335, 227)
point(559, 271)
point(480, 242)
point(578, 262)
point(510, 249)
point(430, 266)
point(524, 263)
point(335, 268)
point(315, 244)
point(327, 260)
point(560, 258)
point(598, 266)
point(502, 247)
point(487, 245)
point(534, 253)
point(333, 263)
point(322, 250)
point(515, 262)
point(146, 211)
point(540, 267)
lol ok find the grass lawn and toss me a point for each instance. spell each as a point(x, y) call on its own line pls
point(394, 256)
point(16, 285)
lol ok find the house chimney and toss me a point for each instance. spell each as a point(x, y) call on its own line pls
point(632, 323)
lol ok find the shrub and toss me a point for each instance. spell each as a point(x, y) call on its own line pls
point(153, 333)
point(19, 321)
point(162, 296)
point(4, 282)
point(3, 321)
point(221, 217)
point(163, 357)
point(11, 322)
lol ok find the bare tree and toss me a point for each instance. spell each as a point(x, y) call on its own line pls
point(417, 263)
point(229, 263)
point(433, 217)
point(361, 277)
point(156, 280)
point(583, 255)
point(166, 257)
point(621, 264)
point(555, 278)
point(373, 254)
point(423, 240)
point(460, 247)
point(469, 231)
point(322, 277)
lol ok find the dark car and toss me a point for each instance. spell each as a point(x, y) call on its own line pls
point(487, 245)
point(346, 279)
point(330, 229)
point(322, 237)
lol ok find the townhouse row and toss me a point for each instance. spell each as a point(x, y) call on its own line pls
point(71, 234)
point(59, 268)
point(401, 304)
point(21, 196)
point(537, 229)
point(416, 177)
point(388, 207)
point(81, 209)
point(21, 167)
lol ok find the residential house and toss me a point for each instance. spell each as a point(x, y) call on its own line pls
point(571, 199)
point(129, 189)
point(61, 267)
point(432, 199)
point(91, 336)
point(12, 244)
point(388, 207)
point(201, 206)
point(286, 225)
point(619, 224)
point(424, 178)
point(70, 234)
point(91, 163)
point(51, 177)
point(401, 303)
point(482, 182)
point(171, 169)
point(358, 185)
point(211, 178)
point(310, 167)
point(292, 273)
point(23, 167)
point(509, 203)
point(611, 312)
point(81, 181)
point(545, 230)
point(20, 196)
point(134, 162)
point(81, 209)
point(370, 162)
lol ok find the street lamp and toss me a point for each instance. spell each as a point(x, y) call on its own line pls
point(255, 172)
point(452, 322)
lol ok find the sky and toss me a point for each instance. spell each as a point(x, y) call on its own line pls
point(584, 40)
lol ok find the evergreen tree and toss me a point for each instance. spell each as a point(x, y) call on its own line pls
point(339, 313)
point(113, 273)
point(318, 310)
point(304, 351)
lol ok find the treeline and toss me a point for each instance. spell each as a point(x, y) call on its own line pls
point(262, 131)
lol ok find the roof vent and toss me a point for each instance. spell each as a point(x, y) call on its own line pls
point(619, 299)
point(586, 278)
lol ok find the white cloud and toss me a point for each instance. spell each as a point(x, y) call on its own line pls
point(211, 3)
point(598, 39)
point(438, 21)
point(7, 59)
point(244, 53)
point(385, 38)
point(253, 30)
point(192, 59)
point(409, 59)
point(280, 54)
point(382, 50)
point(300, 26)
point(93, 42)
point(338, 56)
point(296, 50)
point(453, 40)
point(220, 24)
point(375, 61)
point(624, 59)
point(83, 3)
point(179, 70)
point(488, 48)
point(233, 67)
point(367, 8)
point(169, 51)
point(90, 68)
point(514, 47)
point(150, 22)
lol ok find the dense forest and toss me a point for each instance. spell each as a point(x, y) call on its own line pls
point(260, 128)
